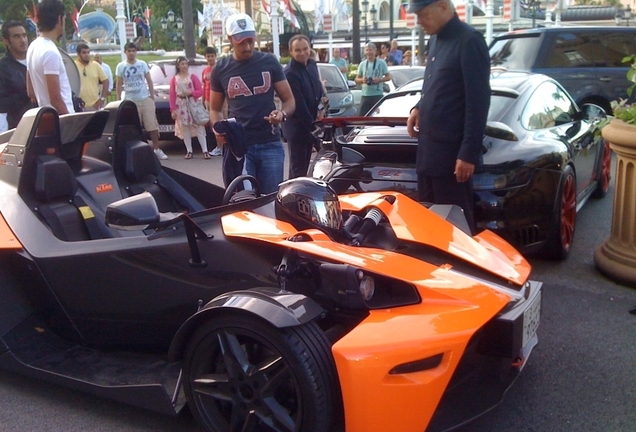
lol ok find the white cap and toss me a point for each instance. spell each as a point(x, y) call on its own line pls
point(240, 26)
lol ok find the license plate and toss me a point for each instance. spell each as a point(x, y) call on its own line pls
point(166, 128)
point(531, 319)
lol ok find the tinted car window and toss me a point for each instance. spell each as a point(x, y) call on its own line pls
point(617, 46)
point(548, 106)
point(515, 53)
point(575, 50)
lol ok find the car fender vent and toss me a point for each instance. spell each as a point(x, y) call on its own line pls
point(526, 236)
point(418, 365)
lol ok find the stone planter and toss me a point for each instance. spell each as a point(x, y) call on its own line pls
point(616, 257)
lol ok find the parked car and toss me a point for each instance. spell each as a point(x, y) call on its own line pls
point(299, 310)
point(338, 91)
point(542, 159)
point(400, 75)
point(161, 72)
point(586, 61)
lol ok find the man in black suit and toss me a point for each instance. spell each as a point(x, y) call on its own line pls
point(450, 118)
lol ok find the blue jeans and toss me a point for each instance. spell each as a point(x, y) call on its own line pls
point(265, 162)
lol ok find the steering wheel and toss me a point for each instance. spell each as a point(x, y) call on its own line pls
point(229, 191)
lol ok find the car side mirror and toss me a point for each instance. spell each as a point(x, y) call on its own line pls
point(137, 213)
point(351, 84)
point(592, 112)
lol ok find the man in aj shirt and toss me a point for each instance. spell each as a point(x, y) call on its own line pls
point(372, 72)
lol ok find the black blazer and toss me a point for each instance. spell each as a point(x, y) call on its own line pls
point(307, 90)
point(455, 99)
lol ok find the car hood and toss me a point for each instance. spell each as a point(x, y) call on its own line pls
point(411, 222)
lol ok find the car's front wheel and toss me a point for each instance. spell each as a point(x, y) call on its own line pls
point(242, 374)
point(564, 218)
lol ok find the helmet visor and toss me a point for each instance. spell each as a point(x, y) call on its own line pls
point(323, 213)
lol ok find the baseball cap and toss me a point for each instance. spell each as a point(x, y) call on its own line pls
point(415, 5)
point(240, 26)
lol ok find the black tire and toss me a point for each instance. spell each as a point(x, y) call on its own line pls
point(242, 374)
point(564, 218)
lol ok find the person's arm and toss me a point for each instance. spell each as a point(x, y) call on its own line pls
point(288, 103)
point(302, 111)
point(55, 95)
point(151, 88)
point(216, 115)
point(30, 90)
point(360, 77)
point(344, 68)
point(103, 79)
point(475, 64)
point(173, 95)
point(196, 85)
point(119, 87)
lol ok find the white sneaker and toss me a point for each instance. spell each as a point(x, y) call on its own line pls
point(216, 152)
point(160, 154)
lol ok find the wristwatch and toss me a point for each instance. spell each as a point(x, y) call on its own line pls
point(284, 115)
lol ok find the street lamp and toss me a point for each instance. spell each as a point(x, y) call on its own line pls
point(365, 11)
point(374, 12)
point(170, 24)
point(623, 15)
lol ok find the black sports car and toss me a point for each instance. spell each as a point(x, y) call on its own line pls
point(296, 311)
point(542, 159)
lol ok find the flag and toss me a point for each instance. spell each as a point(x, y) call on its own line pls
point(342, 13)
point(288, 13)
point(74, 19)
point(266, 7)
point(202, 23)
point(319, 14)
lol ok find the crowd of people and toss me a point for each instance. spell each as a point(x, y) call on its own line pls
point(239, 93)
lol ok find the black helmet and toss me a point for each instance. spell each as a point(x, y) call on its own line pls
point(307, 203)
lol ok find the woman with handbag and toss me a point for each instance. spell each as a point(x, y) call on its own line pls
point(187, 109)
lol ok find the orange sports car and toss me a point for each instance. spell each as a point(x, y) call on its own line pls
point(299, 310)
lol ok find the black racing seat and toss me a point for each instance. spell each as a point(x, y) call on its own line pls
point(55, 189)
point(142, 170)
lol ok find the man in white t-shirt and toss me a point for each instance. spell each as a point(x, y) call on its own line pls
point(47, 81)
point(133, 77)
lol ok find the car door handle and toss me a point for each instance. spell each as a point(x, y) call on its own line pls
point(605, 79)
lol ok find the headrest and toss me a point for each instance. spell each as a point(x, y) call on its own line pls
point(140, 161)
point(53, 179)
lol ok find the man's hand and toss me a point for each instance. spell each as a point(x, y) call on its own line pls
point(463, 170)
point(275, 117)
point(413, 123)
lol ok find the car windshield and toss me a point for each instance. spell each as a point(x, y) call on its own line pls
point(515, 53)
point(402, 76)
point(332, 78)
point(400, 105)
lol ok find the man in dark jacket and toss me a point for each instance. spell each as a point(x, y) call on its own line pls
point(450, 118)
point(304, 80)
point(14, 101)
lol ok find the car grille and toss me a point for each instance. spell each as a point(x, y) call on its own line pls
point(526, 236)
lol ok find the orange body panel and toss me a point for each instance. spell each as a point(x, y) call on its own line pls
point(453, 308)
point(7, 239)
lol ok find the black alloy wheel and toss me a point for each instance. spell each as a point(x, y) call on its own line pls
point(242, 374)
